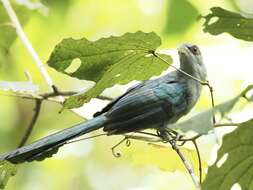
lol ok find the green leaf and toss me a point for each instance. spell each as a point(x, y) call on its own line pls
point(108, 61)
point(179, 21)
point(7, 170)
point(221, 20)
point(202, 122)
point(7, 31)
point(58, 5)
point(163, 156)
point(238, 167)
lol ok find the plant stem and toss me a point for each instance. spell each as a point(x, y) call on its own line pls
point(187, 166)
point(32, 123)
point(21, 34)
point(226, 124)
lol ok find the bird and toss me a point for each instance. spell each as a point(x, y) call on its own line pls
point(151, 104)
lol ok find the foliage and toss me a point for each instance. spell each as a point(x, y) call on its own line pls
point(233, 166)
point(221, 20)
point(202, 122)
point(234, 161)
point(7, 30)
point(186, 17)
point(7, 170)
point(151, 154)
point(122, 59)
point(108, 61)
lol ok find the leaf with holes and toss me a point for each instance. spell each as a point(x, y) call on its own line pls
point(221, 20)
point(202, 122)
point(234, 164)
point(108, 61)
point(7, 170)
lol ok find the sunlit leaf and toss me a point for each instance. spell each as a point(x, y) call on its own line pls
point(221, 20)
point(7, 170)
point(179, 21)
point(7, 30)
point(108, 61)
point(202, 122)
point(164, 157)
point(234, 163)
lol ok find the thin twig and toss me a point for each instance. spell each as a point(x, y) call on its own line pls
point(24, 96)
point(48, 96)
point(226, 124)
point(31, 97)
point(180, 70)
point(59, 93)
point(102, 97)
point(9, 24)
point(199, 160)
point(187, 165)
point(86, 138)
point(212, 99)
point(31, 124)
point(142, 136)
point(190, 139)
point(20, 32)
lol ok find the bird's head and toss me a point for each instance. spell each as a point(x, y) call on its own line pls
point(191, 61)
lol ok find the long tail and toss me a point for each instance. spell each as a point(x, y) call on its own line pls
point(47, 146)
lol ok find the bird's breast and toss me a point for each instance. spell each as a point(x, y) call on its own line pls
point(192, 93)
point(180, 98)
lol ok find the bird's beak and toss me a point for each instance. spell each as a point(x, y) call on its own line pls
point(183, 49)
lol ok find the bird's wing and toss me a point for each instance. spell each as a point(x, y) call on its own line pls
point(109, 106)
point(148, 83)
point(149, 106)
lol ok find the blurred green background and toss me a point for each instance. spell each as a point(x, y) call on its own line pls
point(90, 165)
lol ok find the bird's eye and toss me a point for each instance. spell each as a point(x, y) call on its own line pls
point(194, 50)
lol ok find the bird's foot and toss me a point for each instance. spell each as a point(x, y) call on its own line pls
point(170, 136)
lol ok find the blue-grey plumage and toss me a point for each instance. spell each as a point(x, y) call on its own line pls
point(150, 104)
point(156, 103)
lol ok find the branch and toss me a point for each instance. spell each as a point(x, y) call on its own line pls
point(149, 137)
point(143, 137)
point(187, 165)
point(226, 124)
point(49, 96)
point(199, 160)
point(102, 97)
point(21, 34)
point(39, 98)
point(212, 99)
point(32, 123)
